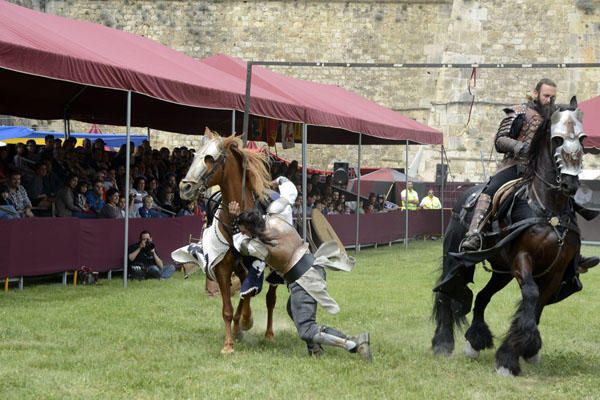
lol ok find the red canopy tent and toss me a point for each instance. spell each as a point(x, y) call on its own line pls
point(53, 67)
point(591, 123)
point(329, 108)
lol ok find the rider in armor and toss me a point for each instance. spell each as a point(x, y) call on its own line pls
point(513, 139)
point(274, 240)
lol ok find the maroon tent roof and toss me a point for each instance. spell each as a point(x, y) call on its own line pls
point(591, 123)
point(332, 106)
point(53, 67)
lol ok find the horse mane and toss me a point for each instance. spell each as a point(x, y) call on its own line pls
point(258, 177)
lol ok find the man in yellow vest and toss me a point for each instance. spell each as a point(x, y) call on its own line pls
point(430, 202)
point(413, 197)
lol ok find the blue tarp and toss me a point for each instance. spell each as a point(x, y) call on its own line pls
point(110, 140)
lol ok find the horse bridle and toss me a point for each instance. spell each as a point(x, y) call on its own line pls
point(220, 161)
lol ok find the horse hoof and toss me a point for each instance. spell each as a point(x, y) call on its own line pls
point(269, 337)
point(534, 359)
point(469, 351)
point(247, 324)
point(227, 350)
point(503, 371)
point(443, 350)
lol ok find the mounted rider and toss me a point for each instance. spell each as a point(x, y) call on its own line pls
point(513, 139)
point(274, 239)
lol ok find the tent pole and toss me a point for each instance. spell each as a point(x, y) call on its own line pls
point(66, 128)
point(356, 243)
point(233, 122)
point(442, 189)
point(406, 196)
point(304, 180)
point(247, 103)
point(127, 172)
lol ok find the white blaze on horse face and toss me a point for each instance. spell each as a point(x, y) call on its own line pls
point(211, 147)
point(567, 126)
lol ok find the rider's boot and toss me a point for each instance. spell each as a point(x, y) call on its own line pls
point(586, 263)
point(472, 241)
point(355, 344)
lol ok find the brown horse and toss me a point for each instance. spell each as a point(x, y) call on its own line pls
point(542, 250)
point(220, 162)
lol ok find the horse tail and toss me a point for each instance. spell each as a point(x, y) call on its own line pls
point(448, 313)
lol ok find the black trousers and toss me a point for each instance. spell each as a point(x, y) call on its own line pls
point(500, 179)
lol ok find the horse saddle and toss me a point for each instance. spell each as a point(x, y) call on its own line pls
point(504, 194)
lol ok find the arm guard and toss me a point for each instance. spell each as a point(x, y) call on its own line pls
point(235, 226)
point(508, 130)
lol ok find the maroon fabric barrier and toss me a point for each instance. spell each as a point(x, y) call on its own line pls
point(42, 246)
point(388, 227)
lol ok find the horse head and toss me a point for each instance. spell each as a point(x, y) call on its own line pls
point(208, 160)
point(566, 143)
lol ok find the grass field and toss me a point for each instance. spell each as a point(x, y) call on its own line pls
point(161, 340)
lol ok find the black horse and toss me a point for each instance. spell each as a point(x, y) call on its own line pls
point(536, 242)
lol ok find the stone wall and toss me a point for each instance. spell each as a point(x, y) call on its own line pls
point(435, 31)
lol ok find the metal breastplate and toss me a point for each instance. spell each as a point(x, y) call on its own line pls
point(288, 246)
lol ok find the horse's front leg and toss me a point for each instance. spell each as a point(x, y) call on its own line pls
point(523, 337)
point(479, 336)
point(223, 273)
point(271, 300)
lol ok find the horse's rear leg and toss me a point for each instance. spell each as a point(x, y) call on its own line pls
point(523, 337)
point(442, 343)
point(223, 273)
point(271, 300)
point(479, 336)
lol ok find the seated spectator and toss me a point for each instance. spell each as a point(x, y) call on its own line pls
point(47, 152)
point(95, 197)
point(32, 152)
point(81, 199)
point(146, 211)
point(110, 180)
point(166, 197)
point(347, 210)
point(144, 262)
point(370, 209)
point(361, 207)
point(372, 199)
point(188, 209)
point(201, 206)
point(430, 202)
point(335, 198)
point(7, 208)
point(153, 189)
point(111, 207)
point(380, 204)
point(20, 160)
point(139, 191)
point(131, 209)
point(340, 208)
point(18, 195)
point(65, 199)
point(39, 187)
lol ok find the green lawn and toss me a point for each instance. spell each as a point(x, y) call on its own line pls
point(162, 340)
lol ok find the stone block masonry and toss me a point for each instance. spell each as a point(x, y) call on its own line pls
point(433, 31)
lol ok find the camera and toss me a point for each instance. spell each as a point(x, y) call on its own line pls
point(150, 246)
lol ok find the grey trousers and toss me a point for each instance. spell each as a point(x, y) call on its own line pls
point(302, 309)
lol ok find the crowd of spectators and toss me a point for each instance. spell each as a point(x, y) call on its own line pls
point(331, 200)
point(64, 180)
